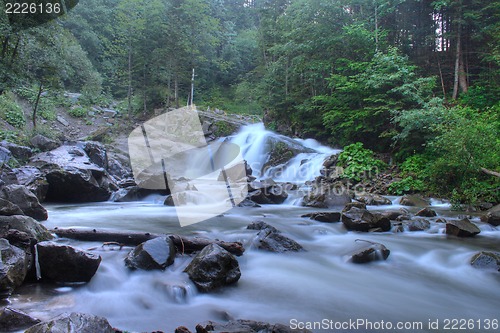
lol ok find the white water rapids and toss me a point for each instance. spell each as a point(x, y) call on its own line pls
point(426, 277)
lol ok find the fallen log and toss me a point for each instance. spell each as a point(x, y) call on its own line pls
point(182, 243)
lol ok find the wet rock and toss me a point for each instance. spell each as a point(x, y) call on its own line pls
point(373, 200)
point(118, 170)
point(273, 241)
point(327, 217)
point(362, 220)
point(369, 253)
point(246, 326)
point(14, 265)
point(7, 208)
point(96, 153)
point(327, 195)
point(132, 193)
point(73, 323)
point(426, 212)
point(157, 253)
point(356, 204)
point(248, 203)
point(63, 263)
point(236, 173)
point(267, 192)
point(34, 180)
point(413, 200)
point(182, 329)
point(15, 320)
point(72, 177)
point(462, 228)
point(5, 156)
point(486, 260)
point(392, 215)
point(419, 225)
point(24, 199)
point(43, 143)
point(261, 225)
point(20, 153)
point(26, 224)
point(492, 216)
point(213, 268)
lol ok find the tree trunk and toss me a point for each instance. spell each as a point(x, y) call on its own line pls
point(176, 92)
point(460, 79)
point(144, 88)
point(129, 92)
point(183, 244)
point(35, 108)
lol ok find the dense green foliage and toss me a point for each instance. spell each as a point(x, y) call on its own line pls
point(359, 163)
point(417, 79)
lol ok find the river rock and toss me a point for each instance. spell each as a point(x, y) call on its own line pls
point(273, 241)
point(157, 253)
point(356, 204)
point(419, 225)
point(63, 263)
point(43, 143)
point(369, 253)
point(73, 323)
point(7, 208)
point(327, 217)
point(267, 192)
point(492, 216)
point(246, 326)
point(26, 224)
point(14, 265)
point(392, 215)
point(15, 320)
point(5, 156)
point(426, 212)
point(182, 329)
point(20, 153)
point(248, 203)
point(213, 268)
point(326, 195)
point(373, 199)
point(486, 260)
point(72, 176)
point(362, 220)
point(96, 153)
point(413, 200)
point(34, 180)
point(261, 225)
point(462, 228)
point(24, 199)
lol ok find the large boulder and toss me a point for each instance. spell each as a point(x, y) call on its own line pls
point(413, 200)
point(362, 220)
point(20, 153)
point(267, 192)
point(373, 199)
point(270, 239)
point(15, 320)
point(5, 156)
point(35, 230)
point(327, 217)
point(327, 195)
point(22, 197)
point(213, 268)
point(486, 260)
point(156, 253)
point(492, 216)
point(96, 153)
point(34, 180)
point(368, 253)
point(462, 228)
point(73, 177)
point(43, 143)
point(14, 265)
point(7, 208)
point(418, 225)
point(73, 323)
point(426, 212)
point(63, 263)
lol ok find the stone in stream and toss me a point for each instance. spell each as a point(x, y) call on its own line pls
point(492, 216)
point(63, 263)
point(413, 200)
point(15, 320)
point(157, 253)
point(73, 323)
point(213, 268)
point(373, 200)
point(267, 192)
point(426, 212)
point(14, 265)
point(22, 197)
point(270, 239)
point(25, 224)
point(369, 253)
point(362, 220)
point(246, 326)
point(419, 225)
point(34, 180)
point(182, 329)
point(462, 228)
point(326, 195)
point(486, 260)
point(356, 204)
point(261, 225)
point(327, 217)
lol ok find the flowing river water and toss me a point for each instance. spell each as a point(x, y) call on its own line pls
point(427, 276)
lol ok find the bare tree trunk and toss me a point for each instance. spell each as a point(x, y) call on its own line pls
point(35, 108)
point(129, 93)
point(376, 26)
point(176, 91)
point(145, 109)
point(460, 79)
point(442, 79)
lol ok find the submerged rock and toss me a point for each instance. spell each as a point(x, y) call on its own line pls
point(63, 263)
point(14, 320)
point(213, 268)
point(419, 225)
point(413, 200)
point(327, 217)
point(261, 225)
point(362, 220)
point(14, 265)
point(270, 239)
point(369, 253)
point(462, 228)
point(24, 199)
point(373, 200)
point(73, 323)
point(157, 253)
point(486, 260)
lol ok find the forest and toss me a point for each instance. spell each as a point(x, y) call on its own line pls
point(418, 81)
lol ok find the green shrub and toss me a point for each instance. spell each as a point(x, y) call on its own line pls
point(406, 185)
point(78, 112)
point(359, 162)
point(10, 111)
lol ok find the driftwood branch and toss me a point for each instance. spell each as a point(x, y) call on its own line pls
point(182, 243)
point(491, 173)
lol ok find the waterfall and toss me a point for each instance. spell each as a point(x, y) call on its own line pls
point(257, 143)
point(37, 264)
